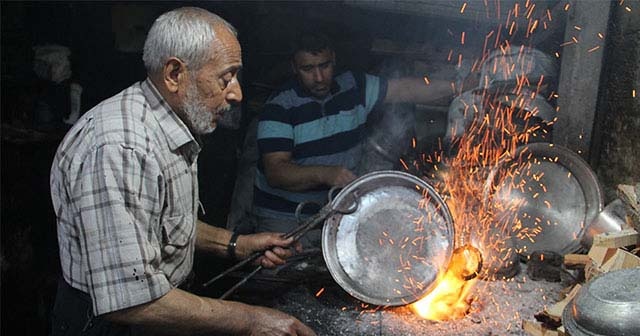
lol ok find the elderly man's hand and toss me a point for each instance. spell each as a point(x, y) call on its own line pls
point(276, 249)
point(267, 321)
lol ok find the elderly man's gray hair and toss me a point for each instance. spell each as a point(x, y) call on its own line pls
point(186, 33)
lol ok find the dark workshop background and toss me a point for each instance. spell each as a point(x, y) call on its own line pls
point(104, 39)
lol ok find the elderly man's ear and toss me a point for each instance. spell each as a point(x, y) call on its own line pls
point(174, 72)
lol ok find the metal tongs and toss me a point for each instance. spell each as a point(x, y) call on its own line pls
point(296, 233)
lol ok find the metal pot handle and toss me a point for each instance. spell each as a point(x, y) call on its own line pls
point(331, 194)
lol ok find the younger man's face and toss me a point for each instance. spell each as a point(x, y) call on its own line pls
point(315, 71)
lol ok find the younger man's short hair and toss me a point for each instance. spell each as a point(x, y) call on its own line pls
point(312, 42)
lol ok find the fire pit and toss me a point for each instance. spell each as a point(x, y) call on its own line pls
point(496, 308)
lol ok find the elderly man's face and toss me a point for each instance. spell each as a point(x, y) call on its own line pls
point(212, 90)
point(315, 71)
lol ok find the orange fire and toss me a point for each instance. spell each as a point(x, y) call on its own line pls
point(448, 301)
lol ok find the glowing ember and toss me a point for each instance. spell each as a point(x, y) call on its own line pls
point(466, 262)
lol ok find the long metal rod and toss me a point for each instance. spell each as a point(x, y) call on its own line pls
point(233, 268)
point(296, 234)
point(240, 283)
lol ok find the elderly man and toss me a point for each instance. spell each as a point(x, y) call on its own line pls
point(124, 188)
point(310, 131)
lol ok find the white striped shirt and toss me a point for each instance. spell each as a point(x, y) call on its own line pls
point(125, 190)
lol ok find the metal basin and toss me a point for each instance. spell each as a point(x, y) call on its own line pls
point(546, 195)
point(391, 249)
point(608, 305)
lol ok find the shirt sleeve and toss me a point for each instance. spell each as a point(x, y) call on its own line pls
point(118, 228)
point(275, 131)
point(375, 91)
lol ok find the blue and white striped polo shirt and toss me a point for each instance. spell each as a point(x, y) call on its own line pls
point(316, 132)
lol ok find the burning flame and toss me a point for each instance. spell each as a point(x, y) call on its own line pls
point(448, 300)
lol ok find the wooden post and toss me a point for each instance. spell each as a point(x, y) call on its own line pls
point(580, 74)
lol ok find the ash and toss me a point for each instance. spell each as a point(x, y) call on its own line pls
point(497, 308)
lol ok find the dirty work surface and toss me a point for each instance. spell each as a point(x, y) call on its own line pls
point(499, 308)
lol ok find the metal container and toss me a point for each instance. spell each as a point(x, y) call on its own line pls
point(608, 305)
point(518, 61)
point(610, 219)
point(546, 195)
point(391, 250)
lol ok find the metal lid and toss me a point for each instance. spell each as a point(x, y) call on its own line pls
point(392, 248)
point(546, 195)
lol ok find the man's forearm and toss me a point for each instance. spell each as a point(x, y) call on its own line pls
point(212, 239)
point(292, 177)
point(417, 90)
point(181, 313)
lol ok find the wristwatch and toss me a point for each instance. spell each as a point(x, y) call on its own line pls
point(231, 247)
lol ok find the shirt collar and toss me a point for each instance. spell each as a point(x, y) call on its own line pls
point(175, 130)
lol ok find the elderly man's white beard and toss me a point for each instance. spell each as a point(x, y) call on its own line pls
point(196, 112)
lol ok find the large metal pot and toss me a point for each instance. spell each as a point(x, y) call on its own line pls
point(608, 305)
point(546, 195)
point(392, 248)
